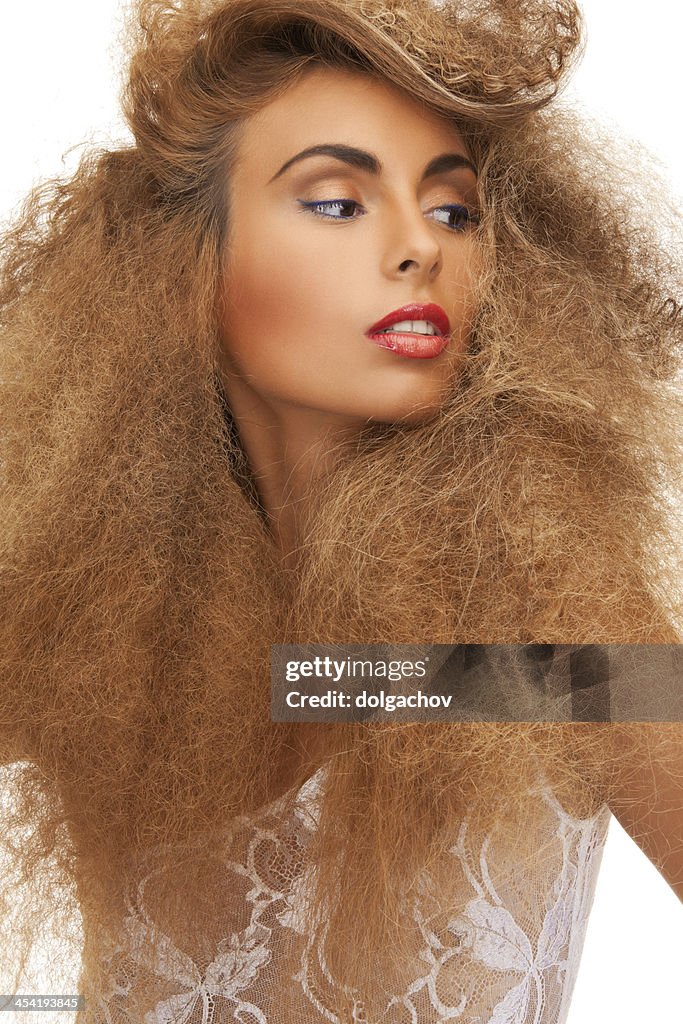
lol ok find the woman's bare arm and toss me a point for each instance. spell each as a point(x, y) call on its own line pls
point(648, 803)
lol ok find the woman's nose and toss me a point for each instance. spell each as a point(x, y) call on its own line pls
point(411, 247)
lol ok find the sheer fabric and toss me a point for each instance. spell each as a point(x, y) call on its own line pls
point(511, 958)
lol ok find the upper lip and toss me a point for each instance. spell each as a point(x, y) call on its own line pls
point(429, 311)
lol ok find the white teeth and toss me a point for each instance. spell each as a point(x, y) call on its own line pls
point(411, 326)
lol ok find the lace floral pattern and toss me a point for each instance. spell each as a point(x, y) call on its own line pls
point(510, 958)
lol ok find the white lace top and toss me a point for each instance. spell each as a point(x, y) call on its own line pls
point(511, 958)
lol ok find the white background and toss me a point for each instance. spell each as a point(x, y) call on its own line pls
point(59, 79)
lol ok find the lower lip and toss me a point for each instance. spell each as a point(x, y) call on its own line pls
point(414, 346)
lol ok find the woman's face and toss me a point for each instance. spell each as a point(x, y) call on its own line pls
point(304, 283)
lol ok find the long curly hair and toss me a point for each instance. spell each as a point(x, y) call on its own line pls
point(140, 589)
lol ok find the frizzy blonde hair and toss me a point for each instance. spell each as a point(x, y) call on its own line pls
point(140, 591)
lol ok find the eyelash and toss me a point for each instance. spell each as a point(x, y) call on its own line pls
point(314, 208)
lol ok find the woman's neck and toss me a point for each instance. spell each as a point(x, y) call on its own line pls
point(286, 450)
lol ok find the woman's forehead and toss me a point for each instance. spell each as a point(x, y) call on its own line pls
point(331, 104)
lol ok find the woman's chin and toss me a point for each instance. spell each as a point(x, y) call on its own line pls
point(413, 412)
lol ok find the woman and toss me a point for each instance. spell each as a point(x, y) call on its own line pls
point(211, 447)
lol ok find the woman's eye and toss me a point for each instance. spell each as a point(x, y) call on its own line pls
point(457, 217)
point(319, 207)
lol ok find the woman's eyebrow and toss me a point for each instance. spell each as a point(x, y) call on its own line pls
point(365, 161)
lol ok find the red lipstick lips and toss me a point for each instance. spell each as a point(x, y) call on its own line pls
point(409, 343)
